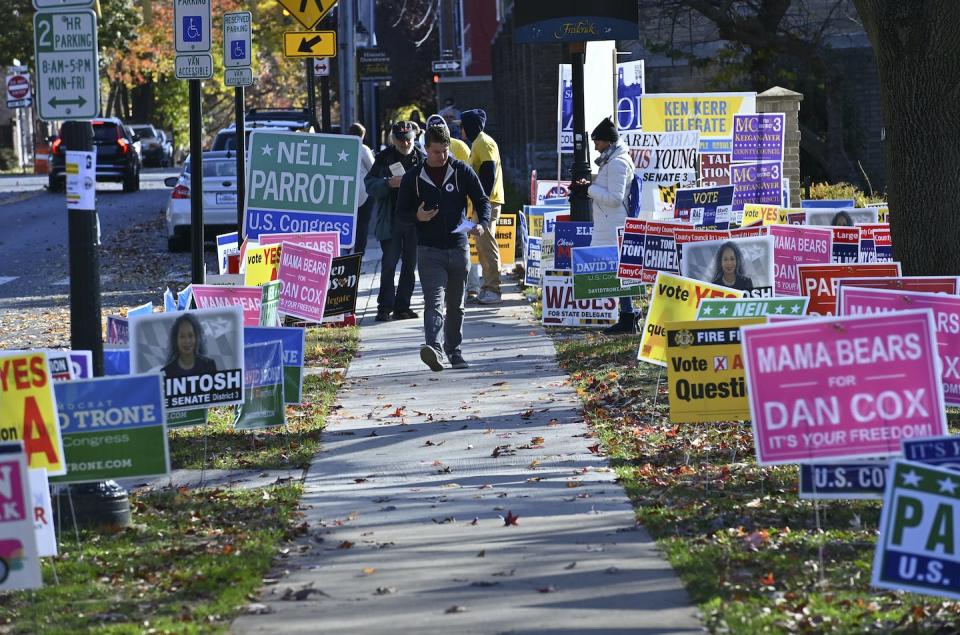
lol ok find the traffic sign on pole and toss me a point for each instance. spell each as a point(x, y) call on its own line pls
point(238, 76)
point(236, 39)
point(310, 43)
point(199, 66)
point(191, 26)
point(308, 12)
point(63, 4)
point(321, 67)
point(441, 66)
point(68, 75)
point(18, 90)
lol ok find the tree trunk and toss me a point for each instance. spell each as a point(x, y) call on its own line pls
point(918, 59)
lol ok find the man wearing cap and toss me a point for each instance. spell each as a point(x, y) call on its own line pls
point(609, 193)
point(397, 236)
point(485, 160)
point(434, 196)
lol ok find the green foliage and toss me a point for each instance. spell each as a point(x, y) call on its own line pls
point(8, 159)
point(833, 191)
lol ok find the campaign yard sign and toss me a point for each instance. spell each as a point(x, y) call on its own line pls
point(745, 264)
point(199, 352)
point(262, 263)
point(263, 382)
point(227, 244)
point(630, 267)
point(113, 427)
point(659, 249)
point(250, 299)
point(842, 388)
point(719, 308)
point(876, 245)
point(705, 371)
point(81, 363)
point(758, 137)
point(709, 113)
point(42, 513)
point(846, 245)
point(302, 182)
point(567, 235)
point(19, 562)
point(664, 162)
point(709, 207)
point(756, 183)
point(506, 236)
point(842, 481)
point(118, 330)
point(561, 309)
point(269, 304)
point(819, 282)
point(292, 340)
point(595, 274)
point(684, 235)
point(917, 546)
point(838, 217)
point(344, 286)
point(941, 451)
point(925, 284)
point(757, 214)
point(532, 271)
point(28, 409)
point(305, 278)
point(327, 242)
point(795, 245)
point(946, 319)
point(674, 299)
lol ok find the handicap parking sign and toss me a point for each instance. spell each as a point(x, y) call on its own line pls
point(238, 50)
point(192, 28)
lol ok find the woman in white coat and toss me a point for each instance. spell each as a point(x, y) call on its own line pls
point(609, 193)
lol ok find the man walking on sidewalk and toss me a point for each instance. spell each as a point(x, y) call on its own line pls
point(485, 159)
point(397, 235)
point(434, 196)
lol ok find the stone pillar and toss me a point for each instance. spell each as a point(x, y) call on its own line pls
point(779, 99)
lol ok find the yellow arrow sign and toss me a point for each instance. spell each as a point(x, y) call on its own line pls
point(308, 12)
point(310, 43)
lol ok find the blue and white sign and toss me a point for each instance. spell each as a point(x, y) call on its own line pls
point(191, 26)
point(565, 110)
point(293, 342)
point(236, 39)
point(116, 361)
point(533, 272)
point(839, 203)
point(630, 83)
point(941, 451)
point(840, 481)
point(567, 235)
point(705, 206)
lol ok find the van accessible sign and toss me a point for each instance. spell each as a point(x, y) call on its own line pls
point(299, 182)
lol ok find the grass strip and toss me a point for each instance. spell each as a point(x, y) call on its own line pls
point(273, 448)
point(187, 566)
point(754, 556)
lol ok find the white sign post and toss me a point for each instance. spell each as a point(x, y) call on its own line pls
point(193, 66)
point(67, 64)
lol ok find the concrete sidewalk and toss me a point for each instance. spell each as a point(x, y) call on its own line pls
point(407, 503)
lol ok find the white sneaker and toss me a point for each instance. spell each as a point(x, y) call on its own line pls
point(488, 297)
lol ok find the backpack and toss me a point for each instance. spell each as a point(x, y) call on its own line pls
point(632, 202)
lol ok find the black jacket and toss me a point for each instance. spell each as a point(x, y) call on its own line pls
point(459, 183)
point(385, 197)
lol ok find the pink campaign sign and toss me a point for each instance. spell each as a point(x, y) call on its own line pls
point(842, 388)
point(304, 277)
point(209, 296)
point(327, 242)
point(797, 245)
point(946, 321)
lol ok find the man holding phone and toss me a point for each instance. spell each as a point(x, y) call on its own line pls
point(434, 196)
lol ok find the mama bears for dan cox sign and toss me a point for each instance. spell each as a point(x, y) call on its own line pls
point(842, 388)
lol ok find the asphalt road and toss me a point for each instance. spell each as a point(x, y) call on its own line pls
point(34, 239)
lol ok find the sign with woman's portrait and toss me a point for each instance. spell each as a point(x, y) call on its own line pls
point(199, 353)
point(744, 264)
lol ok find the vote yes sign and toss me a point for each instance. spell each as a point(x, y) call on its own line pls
point(842, 388)
point(28, 410)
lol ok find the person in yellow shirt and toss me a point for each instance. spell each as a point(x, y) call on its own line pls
point(459, 150)
point(485, 160)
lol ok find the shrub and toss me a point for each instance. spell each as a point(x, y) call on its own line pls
point(830, 191)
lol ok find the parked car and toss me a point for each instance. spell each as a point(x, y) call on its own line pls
point(153, 152)
point(219, 199)
point(226, 139)
point(278, 114)
point(118, 156)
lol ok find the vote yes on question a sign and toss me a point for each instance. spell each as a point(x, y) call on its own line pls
point(842, 388)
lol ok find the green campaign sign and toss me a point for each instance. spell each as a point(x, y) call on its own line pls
point(919, 548)
point(112, 427)
point(270, 304)
point(595, 274)
point(302, 182)
point(263, 376)
point(721, 308)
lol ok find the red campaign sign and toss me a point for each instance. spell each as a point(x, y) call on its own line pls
point(18, 87)
point(923, 284)
point(797, 218)
point(846, 245)
point(660, 250)
point(842, 388)
point(714, 169)
point(750, 232)
point(686, 235)
point(819, 282)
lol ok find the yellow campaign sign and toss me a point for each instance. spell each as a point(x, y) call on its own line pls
point(536, 225)
point(28, 410)
point(705, 371)
point(674, 299)
point(756, 214)
point(262, 265)
point(308, 12)
point(710, 113)
point(310, 43)
point(506, 241)
point(883, 214)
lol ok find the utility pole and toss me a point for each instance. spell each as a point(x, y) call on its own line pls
point(347, 61)
point(579, 201)
point(197, 267)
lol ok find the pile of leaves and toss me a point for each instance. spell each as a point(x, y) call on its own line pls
point(193, 558)
point(753, 556)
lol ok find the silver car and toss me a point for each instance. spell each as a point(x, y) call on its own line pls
point(219, 199)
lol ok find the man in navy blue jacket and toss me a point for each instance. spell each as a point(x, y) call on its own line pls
point(435, 196)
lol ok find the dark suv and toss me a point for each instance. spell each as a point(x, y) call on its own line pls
point(118, 156)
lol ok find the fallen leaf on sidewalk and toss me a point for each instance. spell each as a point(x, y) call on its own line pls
point(537, 441)
point(510, 519)
point(368, 570)
point(385, 590)
point(456, 608)
point(594, 449)
point(482, 554)
point(526, 414)
point(500, 383)
point(429, 442)
point(399, 412)
point(346, 544)
point(547, 589)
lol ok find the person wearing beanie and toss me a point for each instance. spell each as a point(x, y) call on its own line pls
point(460, 150)
point(608, 195)
point(485, 160)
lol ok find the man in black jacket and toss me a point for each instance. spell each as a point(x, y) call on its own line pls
point(434, 196)
point(397, 236)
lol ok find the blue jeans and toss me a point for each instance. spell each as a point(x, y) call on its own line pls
point(402, 245)
point(364, 212)
point(626, 306)
point(443, 274)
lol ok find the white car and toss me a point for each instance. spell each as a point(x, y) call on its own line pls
point(219, 200)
